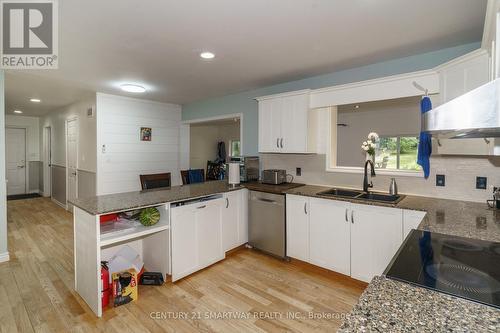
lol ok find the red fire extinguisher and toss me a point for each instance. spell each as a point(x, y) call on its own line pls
point(105, 291)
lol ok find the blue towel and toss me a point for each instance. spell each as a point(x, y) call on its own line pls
point(195, 176)
point(425, 142)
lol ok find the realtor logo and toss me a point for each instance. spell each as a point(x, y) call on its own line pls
point(29, 34)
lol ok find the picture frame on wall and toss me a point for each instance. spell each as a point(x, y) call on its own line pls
point(146, 133)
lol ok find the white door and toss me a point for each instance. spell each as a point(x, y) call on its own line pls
point(15, 145)
point(47, 158)
point(376, 235)
point(230, 220)
point(329, 235)
point(294, 124)
point(297, 227)
point(72, 158)
point(184, 242)
point(208, 232)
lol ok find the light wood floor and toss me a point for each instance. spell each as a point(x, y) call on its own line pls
point(36, 289)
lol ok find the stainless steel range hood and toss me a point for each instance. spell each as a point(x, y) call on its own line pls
point(475, 114)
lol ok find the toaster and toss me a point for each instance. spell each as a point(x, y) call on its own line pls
point(274, 176)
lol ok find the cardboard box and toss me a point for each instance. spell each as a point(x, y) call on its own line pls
point(124, 287)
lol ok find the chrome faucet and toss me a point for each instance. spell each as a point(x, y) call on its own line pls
point(367, 185)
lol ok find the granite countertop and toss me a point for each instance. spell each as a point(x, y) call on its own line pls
point(270, 188)
point(451, 217)
point(392, 306)
point(111, 203)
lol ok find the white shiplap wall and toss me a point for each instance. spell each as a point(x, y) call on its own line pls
point(121, 155)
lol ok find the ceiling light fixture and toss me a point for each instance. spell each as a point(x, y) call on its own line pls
point(207, 55)
point(133, 88)
point(18, 111)
point(356, 106)
point(35, 100)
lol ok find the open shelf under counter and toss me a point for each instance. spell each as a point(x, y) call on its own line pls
point(122, 235)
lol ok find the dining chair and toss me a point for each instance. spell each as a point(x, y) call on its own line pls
point(156, 180)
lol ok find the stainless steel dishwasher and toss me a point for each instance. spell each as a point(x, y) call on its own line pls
point(266, 222)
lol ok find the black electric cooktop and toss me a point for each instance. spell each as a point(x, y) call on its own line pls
point(459, 266)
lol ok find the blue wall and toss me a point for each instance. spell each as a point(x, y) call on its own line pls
point(244, 103)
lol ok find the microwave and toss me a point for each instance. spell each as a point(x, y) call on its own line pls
point(249, 167)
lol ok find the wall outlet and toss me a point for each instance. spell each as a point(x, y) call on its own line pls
point(481, 183)
point(298, 172)
point(440, 180)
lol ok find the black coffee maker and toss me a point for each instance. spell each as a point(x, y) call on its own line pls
point(495, 203)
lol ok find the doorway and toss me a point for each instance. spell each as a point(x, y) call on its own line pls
point(71, 161)
point(15, 145)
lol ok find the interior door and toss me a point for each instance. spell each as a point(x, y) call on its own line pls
point(15, 145)
point(72, 158)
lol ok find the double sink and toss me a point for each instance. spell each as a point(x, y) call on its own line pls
point(367, 196)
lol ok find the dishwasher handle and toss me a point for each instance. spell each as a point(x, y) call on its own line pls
point(266, 200)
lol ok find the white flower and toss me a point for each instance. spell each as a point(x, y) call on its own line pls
point(372, 145)
point(365, 148)
point(373, 136)
point(369, 142)
point(365, 143)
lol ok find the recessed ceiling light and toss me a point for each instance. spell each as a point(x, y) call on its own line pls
point(207, 55)
point(18, 111)
point(35, 100)
point(133, 88)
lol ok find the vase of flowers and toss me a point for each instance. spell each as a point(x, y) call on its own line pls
point(369, 146)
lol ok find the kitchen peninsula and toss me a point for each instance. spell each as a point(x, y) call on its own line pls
point(190, 217)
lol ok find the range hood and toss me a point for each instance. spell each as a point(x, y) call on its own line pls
point(475, 114)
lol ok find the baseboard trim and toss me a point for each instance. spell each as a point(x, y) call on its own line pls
point(4, 257)
point(59, 203)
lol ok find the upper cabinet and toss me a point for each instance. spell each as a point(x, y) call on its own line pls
point(458, 77)
point(286, 125)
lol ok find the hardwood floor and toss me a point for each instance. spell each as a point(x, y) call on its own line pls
point(268, 295)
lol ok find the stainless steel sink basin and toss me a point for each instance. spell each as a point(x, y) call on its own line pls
point(380, 197)
point(355, 194)
point(340, 192)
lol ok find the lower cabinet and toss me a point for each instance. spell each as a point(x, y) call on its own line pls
point(235, 219)
point(297, 227)
point(196, 233)
point(411, 220)
point(376, 235)
point(329, 235)
point(352, 239)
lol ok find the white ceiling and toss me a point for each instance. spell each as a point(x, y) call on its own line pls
point(257, 43)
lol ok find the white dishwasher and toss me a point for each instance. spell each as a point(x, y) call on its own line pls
point(196, 235)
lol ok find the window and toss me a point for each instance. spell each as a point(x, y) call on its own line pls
point(235, 148)
point(397, 153)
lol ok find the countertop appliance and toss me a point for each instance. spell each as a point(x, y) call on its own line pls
point(249, 167)
point(266, 222)
point(462, 267)
point(274, 176)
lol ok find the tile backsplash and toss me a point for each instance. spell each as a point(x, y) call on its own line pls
point(460, 172)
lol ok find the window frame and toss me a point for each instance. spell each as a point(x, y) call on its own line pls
point(398, 151)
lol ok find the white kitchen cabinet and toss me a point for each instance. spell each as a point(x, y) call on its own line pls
point(196, 230)
point(297, 227)
point(285, 123)
point(329, 235)
point(376, 235)
point(411, 220)
point(235, 219)
point(457, 77)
